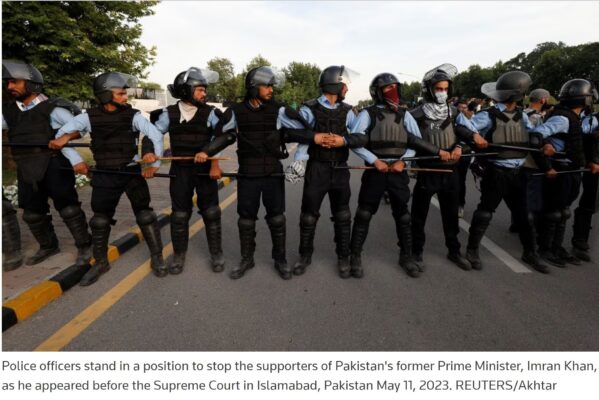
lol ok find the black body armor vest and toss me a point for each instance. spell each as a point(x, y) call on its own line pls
point(438, 132)
point(113, 141)
point(329, 120)
point(254, 126)
point(31, 126)
point(188, 137)
point(573, 139)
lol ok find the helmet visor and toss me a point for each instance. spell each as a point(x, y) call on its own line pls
point(348, 75)
point(12, 69)
point(490, 90)
point(268, 76)
point(446, 69)
point(203, 75)
point(118, 80)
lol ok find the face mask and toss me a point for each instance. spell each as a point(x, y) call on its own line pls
point(391, 97)
point(441, 97)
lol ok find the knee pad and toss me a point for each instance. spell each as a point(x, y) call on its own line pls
point(554, 216)
point(342, 216)
point(246, 223)
point(308, 219)
point(211, 214)
point(483, 215)
point(32, 217)
point(99, 221)
point(363, 215)
point(145, 217)
point(405, 218)
point(566, 214)
point(7, 207)
point(180, 217)
point(277, 220)
point(530, 217)
point(71, 211)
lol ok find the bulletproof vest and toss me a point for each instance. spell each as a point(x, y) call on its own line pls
point(255, 127)
point(333, 121)
point(575, 150)
point(535, 117)
point(438, 132)
point(188, 137)
point(31, 126)
point(508, 129)
point(387, 137)
point(113, 141)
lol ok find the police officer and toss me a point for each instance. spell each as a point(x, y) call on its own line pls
point(391, 134)
point(114, 127)
point(256, 125)
point(330, 119)
point(562, 130)
point(502, 124)
point(436, 122)
point(33, 118)
point(190, 124)
point(538, 104)
point(589, 200)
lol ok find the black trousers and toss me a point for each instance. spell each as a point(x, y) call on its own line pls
point(560, 192)
point(463, 167)
point(107, 190)
point(590, 193)
point(447, 188)
point(249, 191)
point(510, 185)
point(321, 179)
point(182, 187)
point(375, 183)
point(58, 184)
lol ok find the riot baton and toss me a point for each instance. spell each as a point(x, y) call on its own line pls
point(105, 171)
point(405, 169)
point(574, 171)
point(438, 157)
point(531, 149)
point(70, 144)
point(186, 158)
point(237, 174)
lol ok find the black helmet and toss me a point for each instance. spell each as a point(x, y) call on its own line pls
point(264, 75)
point(578, 92)
point(444, 72)
point(186, 81)
point(103, 85)
point(511, 86)
point(332, 78)
point(34, 81)
point(380, 81)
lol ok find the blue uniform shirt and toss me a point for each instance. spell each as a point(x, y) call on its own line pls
point(58, 117)
point(82, 125)
point(481, 122)
point(362, 123)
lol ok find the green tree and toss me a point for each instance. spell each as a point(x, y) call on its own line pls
point(362, 104)
point(410, 92)
point(301, 83)
point(225, 90)
point(70, 42)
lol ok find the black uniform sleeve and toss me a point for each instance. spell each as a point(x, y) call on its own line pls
point(464, 133)
point(356, 140)
point(146, 146)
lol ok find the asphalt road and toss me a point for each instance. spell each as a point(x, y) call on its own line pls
point(506, 306)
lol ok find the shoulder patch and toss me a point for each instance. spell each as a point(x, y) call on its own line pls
point(154, 115)
point(66, 104)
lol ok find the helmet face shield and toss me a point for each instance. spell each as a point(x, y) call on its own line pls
point(200, 76)
point(105, 83)
point(347, 75)
point(12, 69)
point(268, 76)
point(441, 73)
point(510, 86)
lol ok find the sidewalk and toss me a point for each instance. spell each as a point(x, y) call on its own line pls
point(25, 277)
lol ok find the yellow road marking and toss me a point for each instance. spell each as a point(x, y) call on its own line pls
point(72, 329)
point(33, 299)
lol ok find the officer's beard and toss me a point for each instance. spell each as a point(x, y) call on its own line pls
point(119, 106)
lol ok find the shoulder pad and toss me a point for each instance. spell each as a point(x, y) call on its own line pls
point(227, 115)
point(453, 111)
point(311, 103)
point(291, 113)
point(218, 112)
point(66, 104)
point(154, 115)
point(417, 112)
point(345, 106)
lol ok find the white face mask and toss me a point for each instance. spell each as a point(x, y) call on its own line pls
point(441, 97)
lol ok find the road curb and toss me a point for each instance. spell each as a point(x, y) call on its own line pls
point(37, 297)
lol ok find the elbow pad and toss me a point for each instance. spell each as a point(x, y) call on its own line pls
point(463, 133)
point(422, 145)
point(146, 146)
point(301, 136)
point(219, 143)
point(355, 141)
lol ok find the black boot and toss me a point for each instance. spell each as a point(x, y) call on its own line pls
point(547, 231)
point(278, 230)
point(342, 226)
point(74, 218)
point(146, 219)
point(358, 237)
point(43, 231)
point(11, 238)
point(558, 240)
point(212, 221)
point(306, 247)
point(247, 240)
point(456, 258)
point(406, 260)
point(480, 223)
point(180, 239)
point(100, 226)
point(531, 258)
point(580, 233)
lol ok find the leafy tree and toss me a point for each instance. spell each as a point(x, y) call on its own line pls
point(225, 90)
point(362, 104)
point(301, 83)
point(70, 42)
point(410, 92)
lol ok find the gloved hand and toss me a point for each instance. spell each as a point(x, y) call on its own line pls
point(295, 172)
